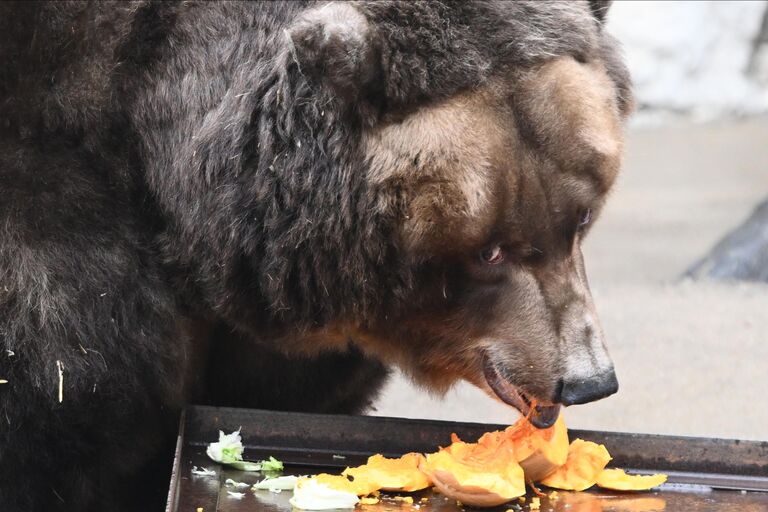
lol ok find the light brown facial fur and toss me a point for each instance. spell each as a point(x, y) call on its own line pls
point(519, 163)
point(445, 156)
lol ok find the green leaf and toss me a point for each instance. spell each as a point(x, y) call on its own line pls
point(272, 465)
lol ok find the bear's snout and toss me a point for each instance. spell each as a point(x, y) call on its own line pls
point(585, 390)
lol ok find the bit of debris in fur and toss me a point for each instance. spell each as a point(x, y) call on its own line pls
point(3, 381)
point(61, 380)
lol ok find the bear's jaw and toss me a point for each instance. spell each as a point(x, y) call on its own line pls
point(499, 387)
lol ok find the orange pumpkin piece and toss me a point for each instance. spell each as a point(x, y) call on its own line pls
point(482, 474)
point(586, 460)
point(360, 486)
point(539, 451)
point(401, 474)
point(618, 480)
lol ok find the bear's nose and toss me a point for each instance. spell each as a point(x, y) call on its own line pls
point(584, 390)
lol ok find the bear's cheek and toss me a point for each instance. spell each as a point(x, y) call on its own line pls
point(447, 334)
point(444, 162)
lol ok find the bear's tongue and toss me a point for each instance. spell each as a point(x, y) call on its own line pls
point(542, 416)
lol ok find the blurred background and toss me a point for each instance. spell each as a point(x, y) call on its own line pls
point(678, 261)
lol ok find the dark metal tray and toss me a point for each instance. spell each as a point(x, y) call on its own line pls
point(704, 474)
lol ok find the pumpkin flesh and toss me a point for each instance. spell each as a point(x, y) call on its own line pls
point(401, 474)
point(482, 474)
point(586, 460)
point(494, 470)
point(539, 451)
point(618, 480)
point(361, 486)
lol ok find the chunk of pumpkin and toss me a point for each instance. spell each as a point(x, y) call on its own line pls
point(482, 474)
point(361, 486)
point(618, 480)
point(586, 460)
point(539, 451)
point(401, 474)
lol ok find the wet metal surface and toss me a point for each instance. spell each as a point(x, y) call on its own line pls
point(700, 469)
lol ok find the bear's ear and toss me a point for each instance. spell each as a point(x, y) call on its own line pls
point(335, 44)
point(600, 8)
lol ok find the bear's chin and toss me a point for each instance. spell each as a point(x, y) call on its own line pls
point(541, 416)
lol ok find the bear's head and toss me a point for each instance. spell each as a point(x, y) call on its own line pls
point(491, 132)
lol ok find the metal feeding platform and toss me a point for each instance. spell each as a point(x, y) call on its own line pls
point(704, 474)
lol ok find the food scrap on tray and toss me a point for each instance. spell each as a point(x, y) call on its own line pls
point(228, 450)
point(618, 480)
point(586, 460)
point(401, 474)
point(482, 474)
point(489, 472)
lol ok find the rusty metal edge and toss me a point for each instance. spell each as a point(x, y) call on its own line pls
point(715, 481)
point(171, 504)
point(721, 463)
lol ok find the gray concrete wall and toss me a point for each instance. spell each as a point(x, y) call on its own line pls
point(699, 58)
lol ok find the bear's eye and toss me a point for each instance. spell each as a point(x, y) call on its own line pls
point(492, 255)
point(584, 219)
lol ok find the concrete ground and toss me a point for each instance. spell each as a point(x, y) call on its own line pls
point(692, 357)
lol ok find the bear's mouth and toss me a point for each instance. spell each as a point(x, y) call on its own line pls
point(542, 416)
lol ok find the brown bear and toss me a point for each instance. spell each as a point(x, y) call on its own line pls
point(267, 204)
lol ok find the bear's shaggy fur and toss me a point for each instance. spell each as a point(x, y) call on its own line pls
point(187, 213)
